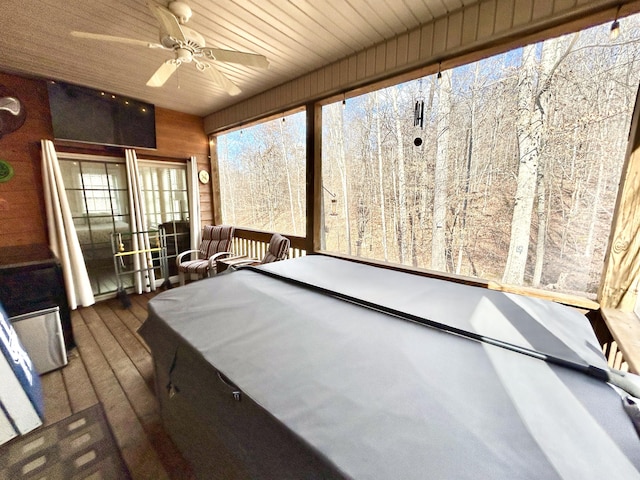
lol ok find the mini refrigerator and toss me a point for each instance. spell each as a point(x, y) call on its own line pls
point(21, 402)
point(41, 334)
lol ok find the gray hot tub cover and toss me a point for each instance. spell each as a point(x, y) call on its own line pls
point(381, 398)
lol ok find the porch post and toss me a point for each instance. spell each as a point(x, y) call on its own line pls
point(621, 272)
point(314, 178)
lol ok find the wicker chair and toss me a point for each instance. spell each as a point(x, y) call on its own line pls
point(215, 244)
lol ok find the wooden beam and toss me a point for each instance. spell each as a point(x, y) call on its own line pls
point(621, 272)
point(625, 329)
point(215, 181)
point(314, 178)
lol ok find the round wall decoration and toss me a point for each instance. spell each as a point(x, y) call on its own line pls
point(6, 171)
point(12, 112)
point(203, 176)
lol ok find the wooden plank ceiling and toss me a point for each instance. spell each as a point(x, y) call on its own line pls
point(297, 36)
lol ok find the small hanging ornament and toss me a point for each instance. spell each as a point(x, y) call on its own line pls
point(334, 207)
point(418, 114)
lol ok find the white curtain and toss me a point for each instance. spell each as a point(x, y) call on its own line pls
point(63, 238)
point(144, 278)
point(194, 202)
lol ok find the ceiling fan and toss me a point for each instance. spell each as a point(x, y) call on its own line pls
point(187, 45)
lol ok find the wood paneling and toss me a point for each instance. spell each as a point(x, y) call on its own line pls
point(180, 134)
point(625, 329)
point(22, 212)
point(621, 273)
point(22, 219)
point(473, 28)
point(298, 37)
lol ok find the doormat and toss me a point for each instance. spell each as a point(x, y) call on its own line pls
point(78, 447)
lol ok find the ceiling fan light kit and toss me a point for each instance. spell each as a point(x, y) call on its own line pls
point(187, 45)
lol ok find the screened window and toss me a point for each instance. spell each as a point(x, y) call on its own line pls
point(262, 175)
point(505, 169)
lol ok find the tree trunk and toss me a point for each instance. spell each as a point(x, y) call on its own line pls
point(533, 84)
point(595, 207)
point(542, 227)
point(383, 221)
point(529, 130)
point(344, 174)
point(465, 201)
point(285, 159)
point(438, 242)
point(402, 190)
point(467, 180)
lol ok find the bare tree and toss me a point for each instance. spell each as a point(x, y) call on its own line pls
point(285, 159)
point(438, 245)
point(383, 220)
point(341, 157)
point(401, 199)
point(533, 86)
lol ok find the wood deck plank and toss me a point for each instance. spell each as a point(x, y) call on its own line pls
point(130, 318)
point(133, 321)
point(130, 342)
point(138, 310)
point(143, 301)
point(76, 379)
point(56, 401)
point(96, 351)
point(112, 365)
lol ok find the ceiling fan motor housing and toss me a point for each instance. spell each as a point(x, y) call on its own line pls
point(194, 40)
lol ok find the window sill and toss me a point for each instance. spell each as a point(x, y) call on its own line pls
point(583, 304)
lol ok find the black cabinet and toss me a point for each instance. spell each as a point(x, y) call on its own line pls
point(30, 280)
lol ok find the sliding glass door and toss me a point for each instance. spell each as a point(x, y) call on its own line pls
point(164, 189)
point(97, 193)
point(98, 197)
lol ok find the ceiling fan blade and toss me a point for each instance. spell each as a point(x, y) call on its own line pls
point(110, 38)
point(221, 79)
point(163, 73)
point(231, 56)
point(168, 21)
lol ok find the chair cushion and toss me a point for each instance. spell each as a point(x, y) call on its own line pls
point(200, 267)
point(215, 238)
point(278, 249)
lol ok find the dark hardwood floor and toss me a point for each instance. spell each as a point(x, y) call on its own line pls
point(112, 365)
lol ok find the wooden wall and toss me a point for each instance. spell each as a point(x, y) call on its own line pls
point(181, 135)
point(22, 217)
point(22, 212)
